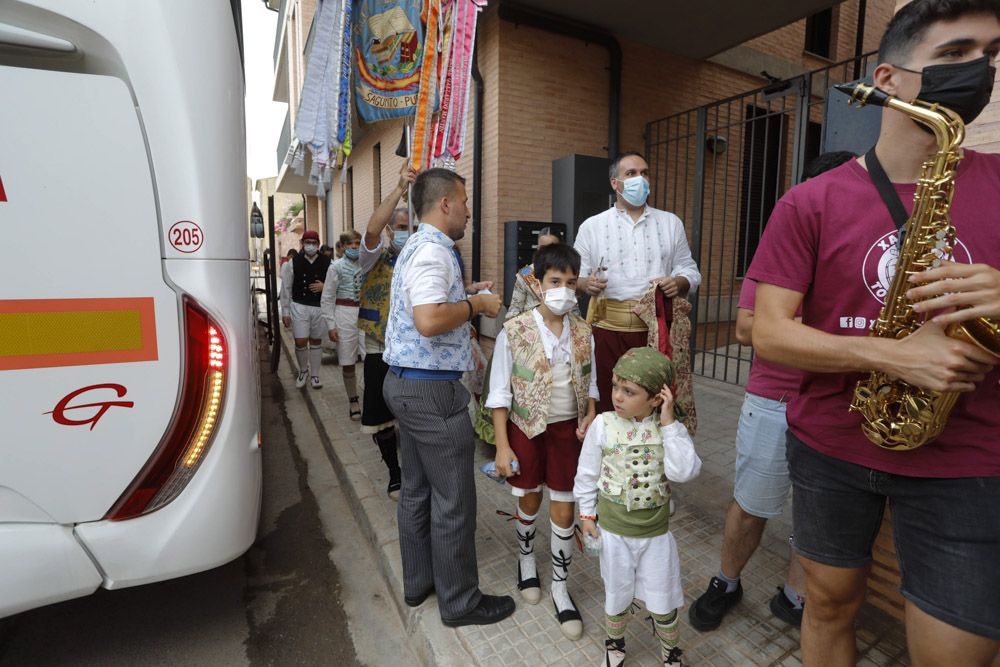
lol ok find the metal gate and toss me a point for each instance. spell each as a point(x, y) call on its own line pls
point(721, 168)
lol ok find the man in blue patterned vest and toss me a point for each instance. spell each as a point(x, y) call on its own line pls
point(427, 348)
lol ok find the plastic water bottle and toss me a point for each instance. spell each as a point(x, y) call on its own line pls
point(490, 470)
point(591, 544)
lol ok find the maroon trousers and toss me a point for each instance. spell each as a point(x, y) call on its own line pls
point(608, 347)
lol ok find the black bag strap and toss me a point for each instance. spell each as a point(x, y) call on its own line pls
point(886, 191)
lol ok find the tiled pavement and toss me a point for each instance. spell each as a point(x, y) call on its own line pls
point(749, 635)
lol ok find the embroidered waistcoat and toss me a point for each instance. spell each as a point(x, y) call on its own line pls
point(349, 278)
point(531, 376)
point(632, 463)
point(374, 311)
point(404, 345)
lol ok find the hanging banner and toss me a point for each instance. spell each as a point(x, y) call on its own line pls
point(387, 52)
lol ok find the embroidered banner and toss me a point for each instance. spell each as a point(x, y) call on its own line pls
point(387, 52)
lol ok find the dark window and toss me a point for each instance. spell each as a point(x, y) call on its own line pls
point(814, 137)
point(819, 31)
point(763, 139)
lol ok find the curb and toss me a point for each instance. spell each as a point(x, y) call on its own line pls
point(435, 645)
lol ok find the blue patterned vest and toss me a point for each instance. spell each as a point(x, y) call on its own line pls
point(404, 346)
point(349, 278)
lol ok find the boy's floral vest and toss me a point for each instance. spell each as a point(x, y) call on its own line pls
point(632, 463)
point(531, 377)
point(374, 312)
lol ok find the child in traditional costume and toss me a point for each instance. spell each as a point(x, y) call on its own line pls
point(341, 300)
point(629, 457)
point(542, 380)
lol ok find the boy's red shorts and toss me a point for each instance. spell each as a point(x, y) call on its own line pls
point(549, 458)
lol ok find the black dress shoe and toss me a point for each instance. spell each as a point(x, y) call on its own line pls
point(417, 600)
point(491, 609)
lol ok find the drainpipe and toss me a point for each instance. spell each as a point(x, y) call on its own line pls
point(477, 169)
point(561, 26)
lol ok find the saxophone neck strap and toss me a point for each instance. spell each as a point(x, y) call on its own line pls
point(886, 191)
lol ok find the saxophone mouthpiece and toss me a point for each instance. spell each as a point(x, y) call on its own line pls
point(863, 93)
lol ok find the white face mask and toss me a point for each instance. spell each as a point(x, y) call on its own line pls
point(311, 249)
point(560, 300)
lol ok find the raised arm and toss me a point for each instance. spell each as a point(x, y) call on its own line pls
point(383, 213)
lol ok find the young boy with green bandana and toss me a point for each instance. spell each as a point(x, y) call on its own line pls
point(629, 457)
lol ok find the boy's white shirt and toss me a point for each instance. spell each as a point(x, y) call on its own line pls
point(287, 276)
point(328, 300)
point(680, 461)
point(557, 351)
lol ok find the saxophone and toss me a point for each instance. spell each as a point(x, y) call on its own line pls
point(896, 414)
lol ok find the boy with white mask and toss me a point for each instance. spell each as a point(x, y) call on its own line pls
point(542, 380)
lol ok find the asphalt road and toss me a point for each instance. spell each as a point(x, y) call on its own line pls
point(285, 602)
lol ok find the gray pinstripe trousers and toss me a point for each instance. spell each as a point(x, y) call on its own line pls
point(437, 502)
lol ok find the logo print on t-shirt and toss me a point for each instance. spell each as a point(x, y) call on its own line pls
point(880, 263)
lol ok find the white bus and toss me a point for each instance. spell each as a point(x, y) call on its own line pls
point(129, 406)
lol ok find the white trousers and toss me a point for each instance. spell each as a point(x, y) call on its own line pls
point(644, 568)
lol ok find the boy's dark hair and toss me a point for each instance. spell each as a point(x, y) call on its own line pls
point(826, 162)
point(558, 256)
point(613, 169)
point(431, 186)
point(907, 27)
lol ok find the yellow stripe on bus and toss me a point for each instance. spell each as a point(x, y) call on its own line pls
point(64, 333)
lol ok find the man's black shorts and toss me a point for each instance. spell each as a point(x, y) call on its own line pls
point(947, 532)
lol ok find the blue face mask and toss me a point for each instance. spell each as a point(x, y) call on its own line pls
point(351, 253)
point(399, 238)
point(635, 190)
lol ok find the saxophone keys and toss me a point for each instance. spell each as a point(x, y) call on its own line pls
point(911, 432)
point(872, 433)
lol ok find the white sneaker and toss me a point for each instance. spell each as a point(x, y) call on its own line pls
point(300, 381)
point(314, 382)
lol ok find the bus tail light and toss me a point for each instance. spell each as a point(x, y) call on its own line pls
point(193, 425)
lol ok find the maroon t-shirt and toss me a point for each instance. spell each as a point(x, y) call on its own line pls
point(832, 239)
point(768, 379)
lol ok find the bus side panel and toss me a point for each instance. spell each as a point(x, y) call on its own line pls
point(214, 519)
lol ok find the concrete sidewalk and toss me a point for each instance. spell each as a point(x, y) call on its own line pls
point(531, 637)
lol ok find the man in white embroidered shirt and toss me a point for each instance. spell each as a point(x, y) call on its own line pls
point(427, 348)
point(625, 251)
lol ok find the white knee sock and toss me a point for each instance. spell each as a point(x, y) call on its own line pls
point(315, 359)
point(524, 524)
point(562, 555)
point(302, 356)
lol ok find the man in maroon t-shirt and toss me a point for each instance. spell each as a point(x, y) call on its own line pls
point(830, 247)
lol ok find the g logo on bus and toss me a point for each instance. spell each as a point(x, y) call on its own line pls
point(101, 407)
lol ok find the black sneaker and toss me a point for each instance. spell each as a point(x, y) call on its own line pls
point(783, 608)
point(707, 611)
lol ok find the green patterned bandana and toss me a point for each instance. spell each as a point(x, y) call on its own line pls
point(647, 368)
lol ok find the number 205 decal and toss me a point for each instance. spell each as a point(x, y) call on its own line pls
point(185, 236)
